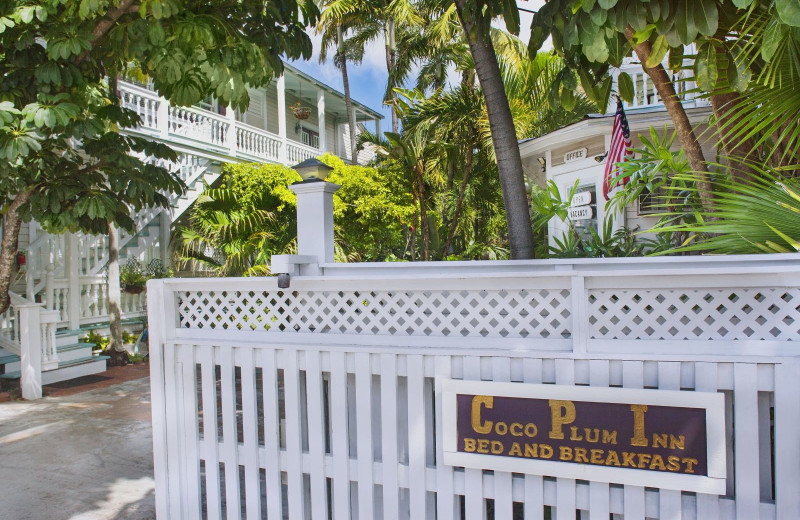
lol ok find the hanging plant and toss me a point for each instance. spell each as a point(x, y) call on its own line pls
point(300, 112)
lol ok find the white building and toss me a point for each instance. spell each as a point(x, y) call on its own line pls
point(577, 151)
point(66, 272)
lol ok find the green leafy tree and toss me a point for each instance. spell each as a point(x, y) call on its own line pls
point(234, 229)
point(62, 158)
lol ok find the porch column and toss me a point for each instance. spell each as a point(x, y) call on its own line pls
point(378, 127)
point(282, 117)
point(315, 223)
point(73, 270)
point(321, 120)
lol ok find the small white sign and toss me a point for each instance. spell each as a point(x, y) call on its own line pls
point(575, 155)
point(581, 199)
point(581, 213)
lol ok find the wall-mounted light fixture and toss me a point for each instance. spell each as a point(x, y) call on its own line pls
point(600, 158)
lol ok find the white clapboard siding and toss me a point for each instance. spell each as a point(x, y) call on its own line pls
point(298, 422)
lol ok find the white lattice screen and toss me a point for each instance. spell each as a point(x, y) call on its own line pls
point(710, 314)
point(519, 313)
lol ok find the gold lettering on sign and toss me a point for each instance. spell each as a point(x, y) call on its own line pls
point(469, 445)
point(639, 437)
point(609, 437)
point(477, 401)
point(561, 413)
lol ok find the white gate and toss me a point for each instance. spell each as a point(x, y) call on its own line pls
point(320, 401)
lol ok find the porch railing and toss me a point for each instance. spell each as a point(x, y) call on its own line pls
point(29, 331)
point(214, 132)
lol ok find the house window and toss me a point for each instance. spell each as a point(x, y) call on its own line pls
point(652, 202)
point(310, 138)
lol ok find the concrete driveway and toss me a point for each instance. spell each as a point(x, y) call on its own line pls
point(87, 456)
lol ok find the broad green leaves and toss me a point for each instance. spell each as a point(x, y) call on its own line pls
point(625, 87)
point(706, 71)
point(789, 11)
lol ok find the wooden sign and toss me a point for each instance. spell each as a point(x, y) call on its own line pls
point(582, 198)
point(575, 155)
point(659, 438)
point(581, 213)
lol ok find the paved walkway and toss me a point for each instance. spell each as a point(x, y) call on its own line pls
point(85, 456)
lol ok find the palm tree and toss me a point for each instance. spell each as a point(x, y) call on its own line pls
point(368, 20)
point(476, 17)
point(333, 34)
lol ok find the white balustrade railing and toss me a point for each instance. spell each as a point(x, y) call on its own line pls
point(144, 102)
point(258, 143)
point(94, 298)
point(199, 125)
point(209, 128)
point(93, 252)
point(29, 331)
point(133, 303)
point(296, 152)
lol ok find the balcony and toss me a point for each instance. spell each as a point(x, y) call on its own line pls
point(208, 131)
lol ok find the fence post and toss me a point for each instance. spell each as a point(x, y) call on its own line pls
point(315, 222)
point(30, 339)
point(158, 319)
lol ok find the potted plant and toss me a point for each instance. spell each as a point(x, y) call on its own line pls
point(300, 112)
point(131, 278)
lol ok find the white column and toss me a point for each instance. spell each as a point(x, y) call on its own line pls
point(323, 141)
point(30, 335)
point(164, 224)
point(73, 269)
point(162, 116)
point(315, 222)
point(378, 127)
point(230, 135)
point(282, 117)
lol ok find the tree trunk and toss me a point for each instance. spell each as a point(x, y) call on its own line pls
point(423, 215)
point(674, 107)
point(348, 101)
point(504, 137)
point(723, 104)
point(8, 250)
point(462, 191)
point(391, 61)
point(114, 295)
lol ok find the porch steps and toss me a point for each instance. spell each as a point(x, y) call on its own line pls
point(68, 370)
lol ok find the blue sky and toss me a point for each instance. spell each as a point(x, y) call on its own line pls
point(368, 79)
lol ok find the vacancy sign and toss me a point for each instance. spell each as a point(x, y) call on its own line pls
point(658, 438)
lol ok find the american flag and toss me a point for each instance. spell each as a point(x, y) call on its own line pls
point(620, 149)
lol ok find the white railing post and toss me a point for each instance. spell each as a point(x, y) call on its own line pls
point(163, 117)
point(73, 302)
point(30, 350)
point(282, 157)
point(49, 287)
point(230, 135)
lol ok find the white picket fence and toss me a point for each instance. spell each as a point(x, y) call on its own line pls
point(320, 401)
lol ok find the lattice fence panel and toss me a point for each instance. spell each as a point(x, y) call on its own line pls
point(706, 314)
point(517, 313)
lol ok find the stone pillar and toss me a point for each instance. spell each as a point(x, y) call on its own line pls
point(314, 222)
